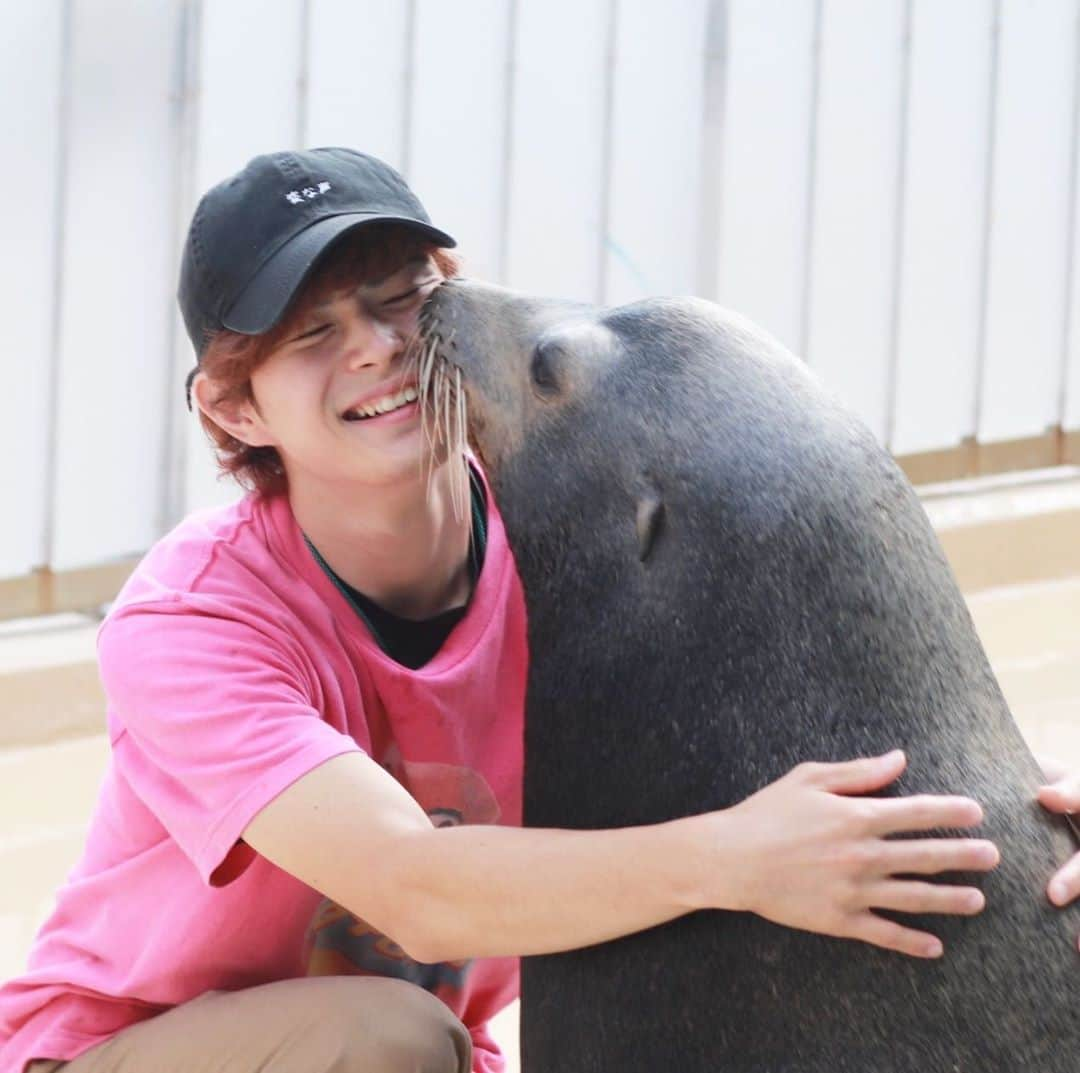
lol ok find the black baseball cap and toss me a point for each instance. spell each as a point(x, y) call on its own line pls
point(256, 236)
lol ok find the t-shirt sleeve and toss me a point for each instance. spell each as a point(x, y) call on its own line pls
point(210, 719)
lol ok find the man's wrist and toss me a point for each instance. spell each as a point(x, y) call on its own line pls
point(709, 876)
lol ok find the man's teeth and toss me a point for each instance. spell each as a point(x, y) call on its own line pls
point(383, 405)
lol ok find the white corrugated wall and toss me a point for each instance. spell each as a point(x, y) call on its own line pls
point(887, 185)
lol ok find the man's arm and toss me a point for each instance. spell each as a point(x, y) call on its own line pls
point(801, 852)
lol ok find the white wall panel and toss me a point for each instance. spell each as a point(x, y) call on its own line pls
point(652, 232)
point(1029, 238)
point(30, 80)
point(874, 199)
point(853, 253)
point(1070, 387)
point(944, 224)
point(247, 101)
point(356, 76)
point(456, 160)
point(115, 318)
point(556, 150)
point(765, 177)
point(249, 77)
point(1070, 402)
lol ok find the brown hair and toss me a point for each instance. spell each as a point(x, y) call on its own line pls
point(230, 358)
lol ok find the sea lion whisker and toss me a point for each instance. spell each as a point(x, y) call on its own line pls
point(436, 391)
point(423, 390)
point(459, 439)
point(427, 364)
point(447, 430)
point(443, 416)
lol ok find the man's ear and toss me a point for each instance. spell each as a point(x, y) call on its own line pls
point(241, 420)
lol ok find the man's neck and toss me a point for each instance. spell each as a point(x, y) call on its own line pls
point(398, 545)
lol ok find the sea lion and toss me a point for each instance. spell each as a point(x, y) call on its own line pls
point(725, 575)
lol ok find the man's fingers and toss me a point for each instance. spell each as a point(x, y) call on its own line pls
point(923, 812)
point(932, 856)
point(1065, 886)
point(909, 896)
point(870, 928)
point(856, 776)
point(1061, 796)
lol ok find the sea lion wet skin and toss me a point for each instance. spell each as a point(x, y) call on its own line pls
point(725, 576)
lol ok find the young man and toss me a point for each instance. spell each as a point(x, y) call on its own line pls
point(306, 854)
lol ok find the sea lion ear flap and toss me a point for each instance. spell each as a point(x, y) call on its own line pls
point(650, 517)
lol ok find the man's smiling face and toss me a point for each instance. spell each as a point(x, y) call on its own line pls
point(336, 396)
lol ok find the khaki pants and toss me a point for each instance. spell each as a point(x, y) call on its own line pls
point(318, 1024)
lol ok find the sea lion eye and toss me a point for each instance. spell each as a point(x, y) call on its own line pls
point(545, 380)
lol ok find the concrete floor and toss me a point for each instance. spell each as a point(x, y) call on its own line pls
point(1031, 632)
point(1032, 636)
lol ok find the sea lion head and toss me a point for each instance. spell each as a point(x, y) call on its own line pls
point(562, 393)
point(525, 360)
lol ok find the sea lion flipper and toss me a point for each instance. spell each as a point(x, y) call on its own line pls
point(650, 516)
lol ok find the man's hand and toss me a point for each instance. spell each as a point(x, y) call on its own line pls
point(817, 856)
point(1062, 795)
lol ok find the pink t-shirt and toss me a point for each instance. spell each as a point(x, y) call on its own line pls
point(233, 666)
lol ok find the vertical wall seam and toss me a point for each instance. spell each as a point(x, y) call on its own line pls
point(63, 139)
point(509, 97)
point(186, 89)
point(988, 224)
point(899, 230)
point(714, 104)
point(303, 76)
point(811, 182)
point(1069, 325)
point(603, 215)
point(408, 88)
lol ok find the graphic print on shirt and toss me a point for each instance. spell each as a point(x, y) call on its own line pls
point(337, 943)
